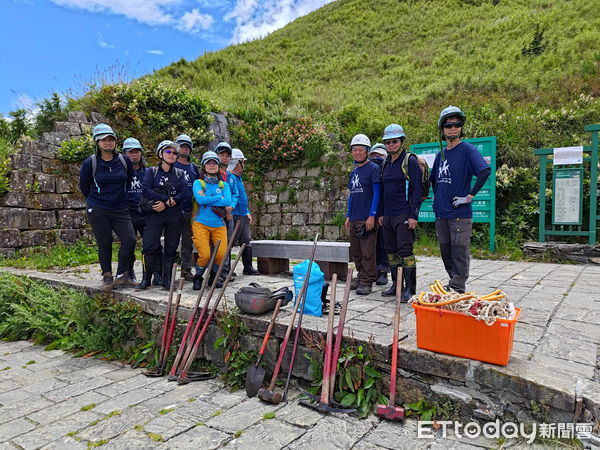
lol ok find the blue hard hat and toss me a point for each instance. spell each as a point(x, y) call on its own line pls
point(223, 147)
point(101, 131)
point(393, 131)
point(449, 112)
point(210, 156)
point(184, 139)
point(131, 144)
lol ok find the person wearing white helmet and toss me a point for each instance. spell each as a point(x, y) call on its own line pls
point(378, 154)
point(134, 152)
point(165, 190)
point(363, 200)
point(400, 203)
point(103, 180)
point(191, 174)
point(211, 195)
point(224, 151)
point(453, 169)
point(241, 211)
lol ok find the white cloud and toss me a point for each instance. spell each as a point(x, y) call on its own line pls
point(257, 18)
point(102, 42)
point(194, 21)
point(155, 52)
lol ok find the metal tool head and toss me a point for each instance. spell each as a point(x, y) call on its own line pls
point(270, 396)
point(254, 379)
point(154, 373)
point(388, 412)
point(195, 376)
point(325, 408)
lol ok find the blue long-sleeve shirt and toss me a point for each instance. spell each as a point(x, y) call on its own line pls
point(395, 201)
point(155, 187)
point(241, 207)
point(233, 188)
point(206, 197)
point(108, 188)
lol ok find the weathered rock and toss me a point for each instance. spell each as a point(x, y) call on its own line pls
point(10, 237)
point(96, 117)
point(48, 201)
point(54, 166)
point(53, 137)
point(7, 252)
point(331, 233)
point(21, 199)
point(314, 172)
point(65, 185)
point(42, 220)
point(29, 147)
point(270, 198)
point(70, 128)
point(76, 116)
point(31, 162)
point(37, 237)
point(71, 218)
point(298, 219)
point(14, 218)
point(46, 182)
point(219, 130)
point(74, 201)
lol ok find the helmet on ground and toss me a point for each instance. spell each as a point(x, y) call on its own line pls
point(380, 149)
point(185, 139)
point(254, 299)
point(449, 112)
point(132, 144)
point(164, 145)
point(210, 156)
point(393, 131)
point(223, 147)
point(361, 139)
point(101, 131)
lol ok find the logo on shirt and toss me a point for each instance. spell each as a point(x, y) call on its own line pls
point(444, 172)
point(163, 180)
point(187, 178)
point(355, 182)
point(136, 184)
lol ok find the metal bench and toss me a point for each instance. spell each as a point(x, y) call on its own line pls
point(274, 256)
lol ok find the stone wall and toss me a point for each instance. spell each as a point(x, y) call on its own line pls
point(44, 205)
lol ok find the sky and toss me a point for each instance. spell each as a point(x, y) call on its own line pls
point(61, 46)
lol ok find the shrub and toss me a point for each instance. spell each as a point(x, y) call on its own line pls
point(5, 151)
point(76, 149)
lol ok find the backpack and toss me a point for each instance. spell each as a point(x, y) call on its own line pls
point(425, 183)
point(95, 166)
point(145, 204)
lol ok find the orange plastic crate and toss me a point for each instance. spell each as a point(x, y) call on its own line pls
point(444, 331)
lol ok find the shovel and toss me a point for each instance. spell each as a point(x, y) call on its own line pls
point(256, 374)
point(391, 411)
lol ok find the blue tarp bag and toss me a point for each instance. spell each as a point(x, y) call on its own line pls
point(314, 288)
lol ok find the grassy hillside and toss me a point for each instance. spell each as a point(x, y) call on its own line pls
point(525, 70)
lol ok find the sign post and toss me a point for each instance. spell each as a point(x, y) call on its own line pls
point(484, 203)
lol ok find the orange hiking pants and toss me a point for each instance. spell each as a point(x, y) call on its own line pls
point(204, 237)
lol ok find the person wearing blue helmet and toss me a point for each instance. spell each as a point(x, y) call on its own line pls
point(103, 180)
point(453, 169)
point(134, 152)
point(191, 174)
point(399, 207)
point(165, 190)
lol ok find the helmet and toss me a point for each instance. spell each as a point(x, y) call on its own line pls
point(131, 144)
point(210, 156)
point(184, 139)
point(236, 153)
point(101, 131)
point(380, 149)
point(361, 139)
point(393, 131)
point(254, 299)
point(223, 147)
point(164, 145)
point(449, 112)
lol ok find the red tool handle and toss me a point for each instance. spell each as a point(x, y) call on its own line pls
point(163, 341)
point(269, 329)
point(329, 343)
point(392, 401)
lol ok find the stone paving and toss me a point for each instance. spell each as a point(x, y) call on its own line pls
point(52, 400)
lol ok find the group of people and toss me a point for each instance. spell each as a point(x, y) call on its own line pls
point(388, 185)
point(172, 203)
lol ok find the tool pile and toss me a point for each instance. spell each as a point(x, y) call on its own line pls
point(487, 308)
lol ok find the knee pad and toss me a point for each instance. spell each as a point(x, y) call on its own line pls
point(409, 262)
point(394, 259)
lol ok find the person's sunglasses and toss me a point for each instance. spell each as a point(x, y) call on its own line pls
point(392, 141)
point(171, 152)
point(449, 125)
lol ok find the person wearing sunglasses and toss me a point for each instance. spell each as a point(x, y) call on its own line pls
point(451, 175)
point(191, 174)
point(166, 189)
point(103, 180)
point(400, 204)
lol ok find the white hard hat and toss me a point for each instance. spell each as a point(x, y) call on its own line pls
point(379, 148)
point(236, 153)
point(361, 139)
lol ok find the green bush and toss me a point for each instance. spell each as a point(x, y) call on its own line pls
point(51, 110)
point(76, 149)
point(5, 152)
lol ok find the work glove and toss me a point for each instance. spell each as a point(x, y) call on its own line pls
point(459, 201)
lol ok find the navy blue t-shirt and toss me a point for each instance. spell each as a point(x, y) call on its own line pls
point(361, 189)
point(135, 189)
point(154, 187)
point(108, 188)
point(452, 177)
point(395, 201)
point(191, 174)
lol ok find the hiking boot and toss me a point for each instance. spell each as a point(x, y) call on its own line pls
point(157, 279)
point(250, 271)
point(107, 281)
point(354, 284)
point(382, 279)
point(410, 283)
point(391, 291)
point(187, 274)
point(247, 261)
point(211, 280)
point(198, 279)
point(363, 289)
point(123, 280)
point(132, 277)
